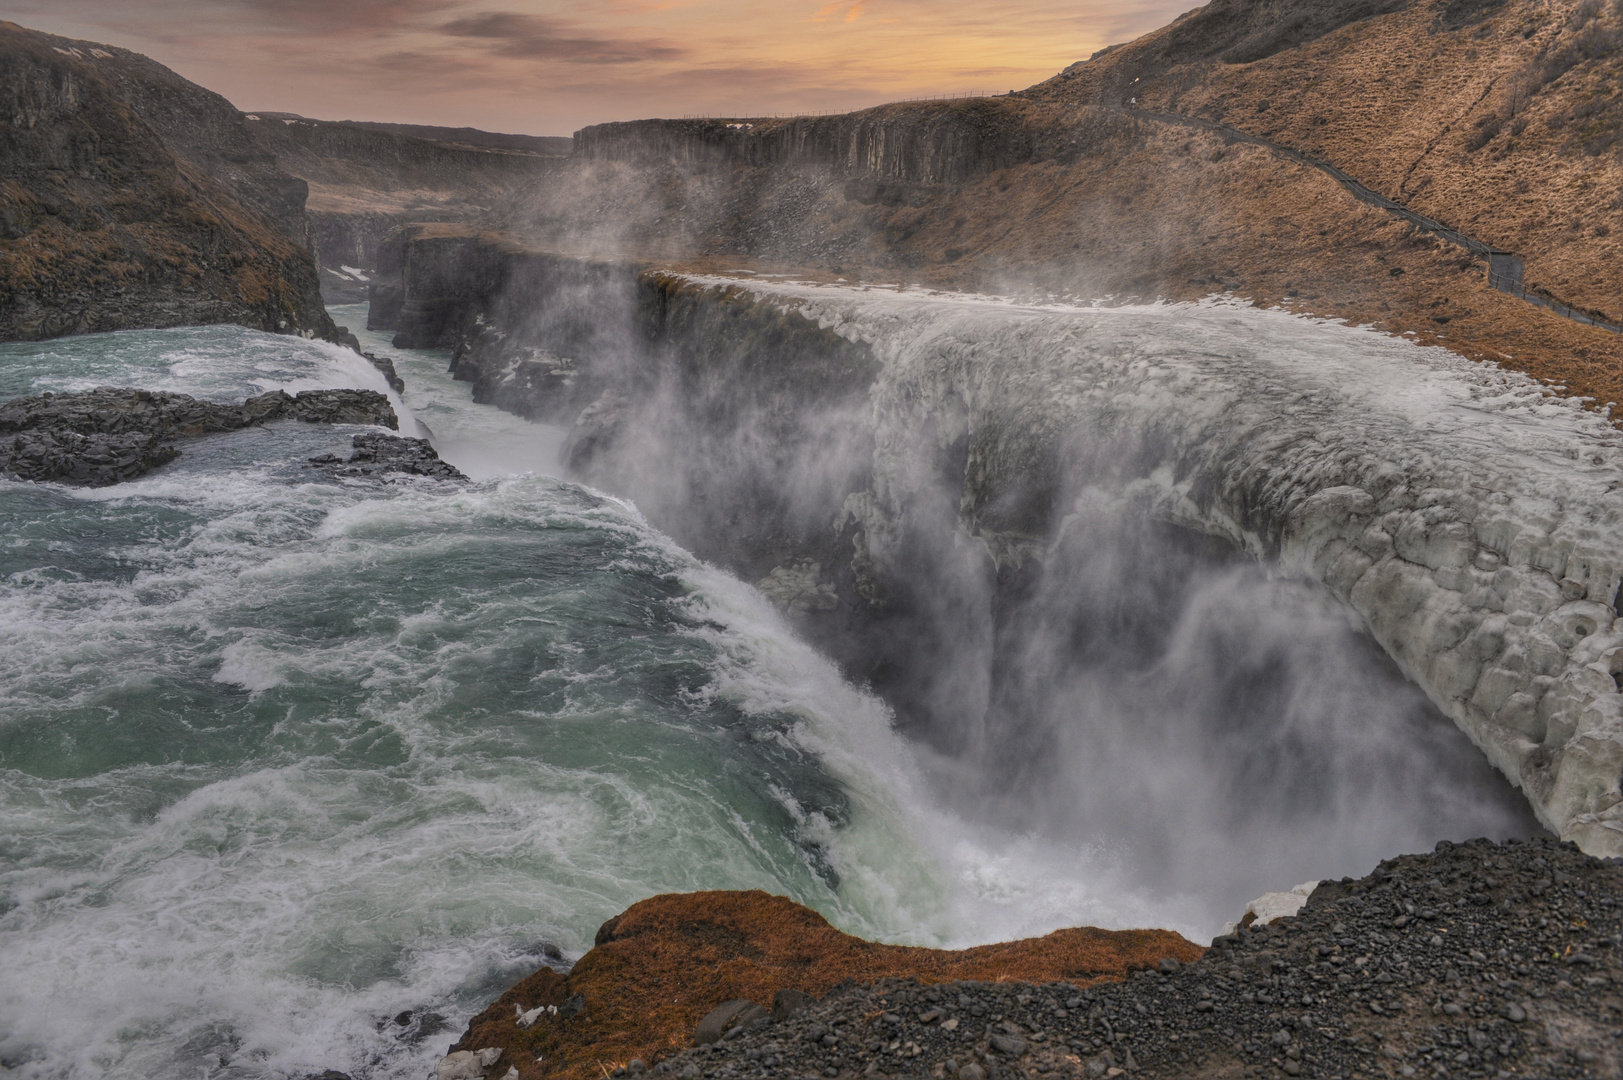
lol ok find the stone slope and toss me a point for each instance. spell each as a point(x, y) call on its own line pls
point(1478, 960)
point(1503, 118)
point(131, 198)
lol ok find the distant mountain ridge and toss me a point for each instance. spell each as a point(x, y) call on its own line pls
point(367, 179)
point(544, 145)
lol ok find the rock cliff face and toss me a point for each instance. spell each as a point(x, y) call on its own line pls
point(132, 198)
point(367, 179)
point(840, 443)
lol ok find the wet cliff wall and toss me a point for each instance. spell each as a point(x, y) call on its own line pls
point(132, 198)
point(913, 473)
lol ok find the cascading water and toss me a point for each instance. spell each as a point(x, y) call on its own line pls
point(282, 758)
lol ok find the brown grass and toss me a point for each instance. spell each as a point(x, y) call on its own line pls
point(664, 963)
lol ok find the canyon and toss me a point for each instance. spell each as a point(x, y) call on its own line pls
point(1090, 428)
point(1463, 515)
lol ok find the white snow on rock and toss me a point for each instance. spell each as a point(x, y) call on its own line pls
point(1470, 519)
point(1272, 906)
point(467, 1064)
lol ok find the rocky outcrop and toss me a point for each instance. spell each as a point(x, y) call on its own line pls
point(640, 992)
point(110, 435)
point(132, 198)
point(1476, 956)
point(378, 456)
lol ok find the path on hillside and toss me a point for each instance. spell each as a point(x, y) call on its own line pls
point(1504, 268)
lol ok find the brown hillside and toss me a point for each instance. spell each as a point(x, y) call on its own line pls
point(1503, 118)
point(664, 963)
point(1072, 187)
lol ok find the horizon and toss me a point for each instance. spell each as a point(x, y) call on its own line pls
point(537, 67)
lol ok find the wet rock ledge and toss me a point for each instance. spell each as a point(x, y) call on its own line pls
point(1477, 960)
point(111, 434)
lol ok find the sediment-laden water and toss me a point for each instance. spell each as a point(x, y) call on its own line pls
point(282, 758)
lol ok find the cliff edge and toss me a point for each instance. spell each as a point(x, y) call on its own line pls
point(131, 198)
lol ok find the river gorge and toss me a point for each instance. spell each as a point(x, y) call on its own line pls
point(1097, 678)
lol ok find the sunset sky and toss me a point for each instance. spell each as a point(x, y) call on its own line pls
point(546, 68)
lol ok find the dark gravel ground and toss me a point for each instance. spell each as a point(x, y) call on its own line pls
point(1478, 960)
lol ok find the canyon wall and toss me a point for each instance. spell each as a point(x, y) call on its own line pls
point(367, 179)
point(132, 198)
point(897, 465)
point(1177, 166)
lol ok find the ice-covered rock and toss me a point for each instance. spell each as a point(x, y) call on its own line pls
point(1472, 521)
point(467, 1064)
point(1272, 906)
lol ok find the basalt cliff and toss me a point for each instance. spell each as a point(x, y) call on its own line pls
point(1352, 159)
point(130, 197)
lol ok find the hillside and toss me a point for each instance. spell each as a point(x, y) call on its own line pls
point(1503, 119)
point(366, 179)
point(130, 197)
point(1075, 187)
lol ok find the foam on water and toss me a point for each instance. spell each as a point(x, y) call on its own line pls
point(281, 758)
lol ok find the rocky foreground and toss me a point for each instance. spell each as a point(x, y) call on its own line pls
point(1478, 960)
point(111, 435)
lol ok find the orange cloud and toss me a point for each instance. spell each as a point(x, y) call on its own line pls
point(853, 12)
point(550, 66)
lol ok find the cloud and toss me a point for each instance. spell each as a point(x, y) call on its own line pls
point(549, 66)
point(539, 37)
point(849, 11)
point(344, 16)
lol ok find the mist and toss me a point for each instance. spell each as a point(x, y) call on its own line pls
point(1141, 707)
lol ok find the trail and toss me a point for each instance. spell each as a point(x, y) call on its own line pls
point(1504, 268)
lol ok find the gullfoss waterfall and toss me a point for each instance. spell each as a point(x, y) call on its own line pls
point(296, 774)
